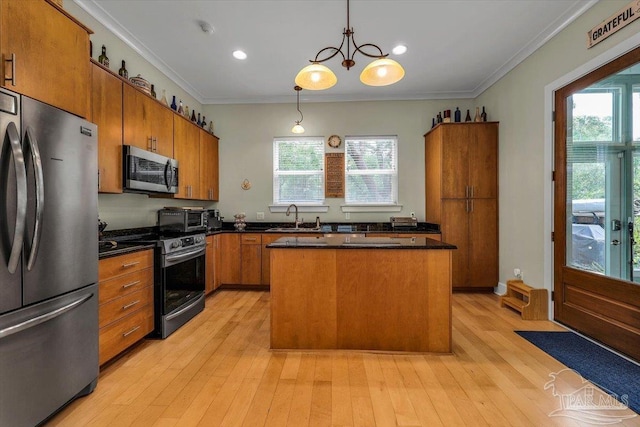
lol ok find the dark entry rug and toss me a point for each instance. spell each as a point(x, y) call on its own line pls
point(600, 366)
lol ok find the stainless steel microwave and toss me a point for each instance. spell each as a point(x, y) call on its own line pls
point(182, 220)
point(147, 172)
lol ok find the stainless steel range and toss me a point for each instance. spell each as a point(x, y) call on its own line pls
point(179, 281)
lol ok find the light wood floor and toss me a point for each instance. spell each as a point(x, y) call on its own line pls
point(218, 370)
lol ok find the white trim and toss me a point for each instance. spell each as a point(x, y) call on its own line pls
point(97, 12)
point(301, 208)
point(607, 56)
point(535, 44)
point(500, 289)
point(371, 208)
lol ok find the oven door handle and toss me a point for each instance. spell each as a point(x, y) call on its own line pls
point(185, 308)
point(174, 259)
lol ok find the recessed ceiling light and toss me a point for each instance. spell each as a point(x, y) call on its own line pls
point(238, 54)
point(399, 50)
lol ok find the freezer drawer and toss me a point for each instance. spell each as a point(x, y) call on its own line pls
point(48, 356)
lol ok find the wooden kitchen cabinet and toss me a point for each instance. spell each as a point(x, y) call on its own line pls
point(209, 175)
point(230, 273)
point(50, 50)
point(106, 112)
point(147, 123)
point(251, 256)
point(125, 302)
point(461, 183)
point(186, 150)
point(213, 262)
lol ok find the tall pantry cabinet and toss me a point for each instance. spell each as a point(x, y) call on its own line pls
point(461, 184)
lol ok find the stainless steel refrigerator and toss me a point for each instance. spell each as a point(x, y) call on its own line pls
point(49, 267)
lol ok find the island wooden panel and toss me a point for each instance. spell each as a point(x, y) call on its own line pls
point(367, 299)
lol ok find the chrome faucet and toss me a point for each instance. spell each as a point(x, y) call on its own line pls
point(289, 213)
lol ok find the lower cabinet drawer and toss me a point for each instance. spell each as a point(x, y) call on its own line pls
point(120, 307)
point(122, 285)
point(125, 332)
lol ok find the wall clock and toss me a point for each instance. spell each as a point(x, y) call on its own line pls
point(334, 141)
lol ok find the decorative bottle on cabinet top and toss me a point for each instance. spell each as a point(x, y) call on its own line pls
point(122, 72)
point(478, 118)
point(457, 115)
point(174, 106)
point(103, 59)
point(468, 118)
point(483, 115)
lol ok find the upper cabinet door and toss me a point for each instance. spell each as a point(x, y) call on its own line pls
point(136, 120)
point(106, 112)
point(161, 127)
point(186, 146)
point(51, 53)
point(147, 123)
point(455, 161)
point(483, 161)
point(208, 166)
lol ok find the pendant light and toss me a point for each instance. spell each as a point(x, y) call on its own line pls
point(381, 72)
point(297, 128)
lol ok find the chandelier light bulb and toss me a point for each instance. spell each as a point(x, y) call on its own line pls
point(297, 128)
point(382, 72)
point(316, 77)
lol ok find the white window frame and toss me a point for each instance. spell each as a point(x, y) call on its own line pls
point(278, 203)
point(358, 205)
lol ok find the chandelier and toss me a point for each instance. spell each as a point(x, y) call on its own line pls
point(297, 128)
point(382, 71)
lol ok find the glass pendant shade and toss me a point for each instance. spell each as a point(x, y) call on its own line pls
point(297, 128)
point(382, 72)
point(316, 77)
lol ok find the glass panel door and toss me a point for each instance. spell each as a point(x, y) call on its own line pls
point(603, 177)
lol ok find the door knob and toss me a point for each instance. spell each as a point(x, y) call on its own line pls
point(615, 242)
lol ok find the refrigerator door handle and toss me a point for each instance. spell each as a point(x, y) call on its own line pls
point(39, 176)
point(21, 196)
point(43, 318)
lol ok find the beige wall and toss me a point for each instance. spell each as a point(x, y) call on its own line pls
point(518, 101)
point(246, 148)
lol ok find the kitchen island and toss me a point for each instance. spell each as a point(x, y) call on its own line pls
point(361, 293)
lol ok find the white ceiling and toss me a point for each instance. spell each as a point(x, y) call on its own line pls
point(456, 48)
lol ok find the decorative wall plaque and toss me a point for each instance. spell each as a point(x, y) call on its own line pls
point(334, 175)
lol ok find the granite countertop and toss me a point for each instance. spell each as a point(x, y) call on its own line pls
point(110, 248)
point(338, 241)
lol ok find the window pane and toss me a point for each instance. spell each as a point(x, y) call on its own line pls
point(298, 175)
point(371, 170)
point(592, 117)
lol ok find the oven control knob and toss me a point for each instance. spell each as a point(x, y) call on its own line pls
point(175, 245)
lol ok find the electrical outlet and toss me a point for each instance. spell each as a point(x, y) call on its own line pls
point(347, 215)
point(259, 215)
point(413, 214)
point(518, 273)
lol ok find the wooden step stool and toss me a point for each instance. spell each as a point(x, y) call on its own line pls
point(531, 303)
